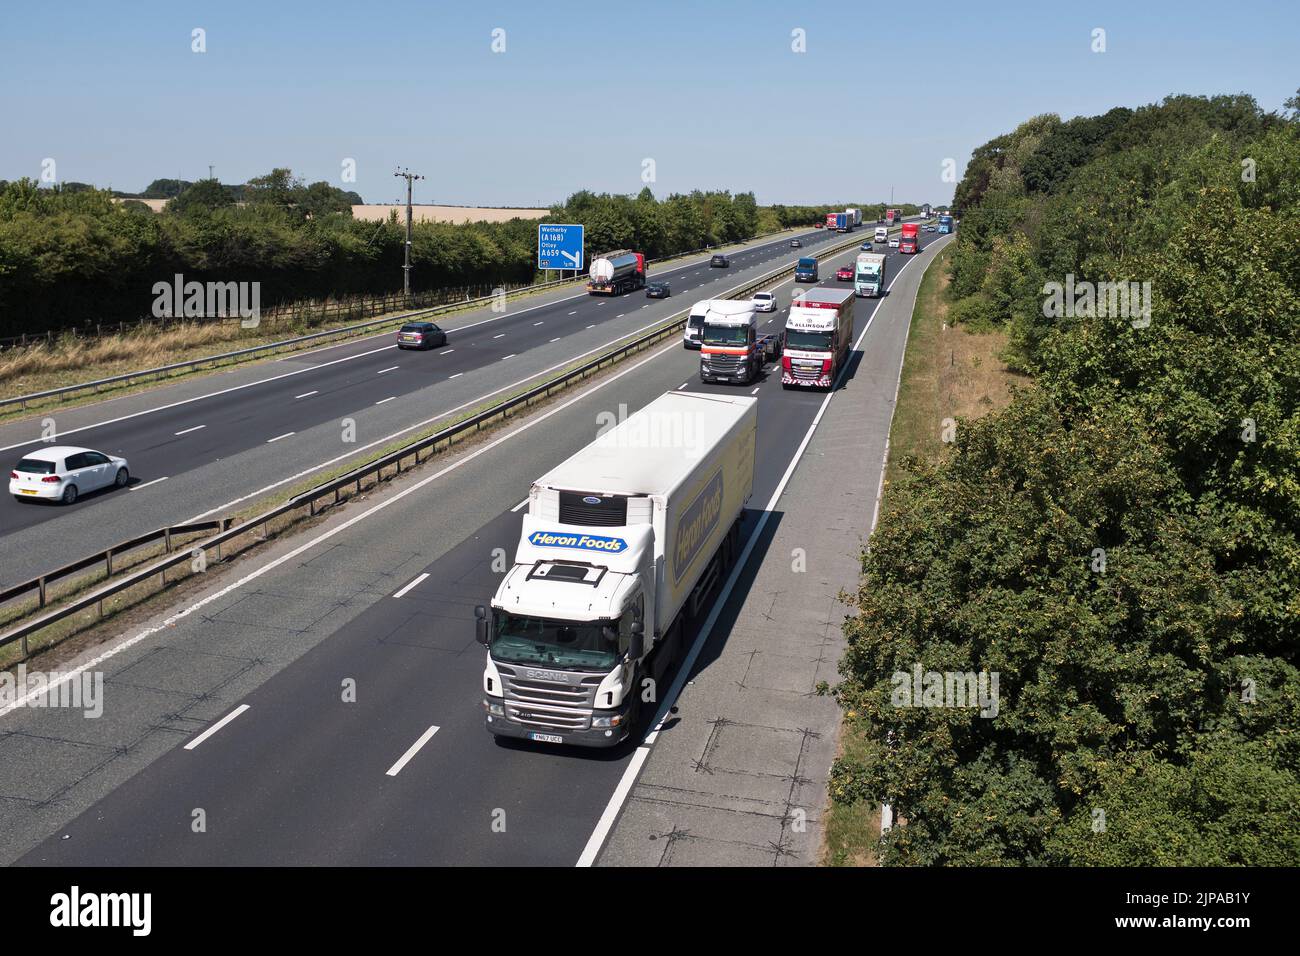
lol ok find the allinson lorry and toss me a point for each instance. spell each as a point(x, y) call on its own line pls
point(620, 549)
point(617, 272)
point(818, 337)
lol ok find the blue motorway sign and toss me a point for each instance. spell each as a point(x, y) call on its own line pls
point(559, 246)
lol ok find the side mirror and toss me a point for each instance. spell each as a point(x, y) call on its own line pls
point(481, 625)
point(636, 648)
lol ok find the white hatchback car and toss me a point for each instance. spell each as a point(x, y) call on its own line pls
point(893, 243)
point(65, 473)
point(764, 301)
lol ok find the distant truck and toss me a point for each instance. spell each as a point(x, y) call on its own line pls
point(620, 549)
point(945, 224)
point(617, 272)
point(855, 218)
point(869, 274)
point(882, 234)
point(909, 241)
point(805, 270)
point(732, 350)
point(838, 221)
point(818, 336)
point(893, 217)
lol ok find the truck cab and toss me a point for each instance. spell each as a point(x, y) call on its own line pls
point(730, 351)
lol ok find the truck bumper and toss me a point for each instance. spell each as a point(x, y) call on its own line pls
point(594, 737)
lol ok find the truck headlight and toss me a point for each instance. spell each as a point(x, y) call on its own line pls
point(493, 708)
point(610, 720)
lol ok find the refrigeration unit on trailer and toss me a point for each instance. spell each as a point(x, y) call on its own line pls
point(621, 547)
point(818, 337)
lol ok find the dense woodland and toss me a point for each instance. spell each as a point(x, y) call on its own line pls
point(71, 257)
point(1159, 685)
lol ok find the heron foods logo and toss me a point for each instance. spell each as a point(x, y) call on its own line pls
point(580, 542)
point(696, 523)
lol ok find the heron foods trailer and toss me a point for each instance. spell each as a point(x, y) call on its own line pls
point(620, 549)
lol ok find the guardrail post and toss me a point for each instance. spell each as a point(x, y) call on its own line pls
point(41, 584)
point(108, 562)
point(167, 539)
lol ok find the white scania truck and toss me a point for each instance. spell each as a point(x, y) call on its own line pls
point(621, 546)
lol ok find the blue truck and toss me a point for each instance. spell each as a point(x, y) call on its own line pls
point(945, 224)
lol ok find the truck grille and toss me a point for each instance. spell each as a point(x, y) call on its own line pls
point(605, 512)
point(557, 705)
point(810, 372)
point(727, 364)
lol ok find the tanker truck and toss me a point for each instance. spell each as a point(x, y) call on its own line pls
point(620, 550)
point(617, 272)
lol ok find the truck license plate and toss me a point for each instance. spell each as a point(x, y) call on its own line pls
point(546, 738)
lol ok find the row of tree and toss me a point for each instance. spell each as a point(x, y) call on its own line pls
point(72, 257)
point(1121, 545)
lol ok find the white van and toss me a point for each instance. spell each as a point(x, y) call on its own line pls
point(693, 333)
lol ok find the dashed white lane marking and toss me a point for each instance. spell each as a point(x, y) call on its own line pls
point(217, 726)
point(396, 768)
point(186, 431)
point(416, 581)
point(510, 356)
point(307, 394)
point(392, 368)
point(388, 399)
point(446, 351)
point(501, 336)
point(278, 437)
point(536, 324)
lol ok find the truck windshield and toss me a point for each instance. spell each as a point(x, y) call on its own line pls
point(795, 339)
point(871, 272)
point(520, 639)
point(725, 334)
point(807, 263)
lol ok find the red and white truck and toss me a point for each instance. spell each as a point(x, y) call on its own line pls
point(617, 272)
point(909, 240)
point(818, 337)
point(893, 217)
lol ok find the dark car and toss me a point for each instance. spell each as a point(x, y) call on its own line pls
point(420, 335)
point(658, 290)
point(719, 262)
point(844, 274)
point(796, 244)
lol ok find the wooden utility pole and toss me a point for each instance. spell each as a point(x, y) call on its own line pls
point(410, 178)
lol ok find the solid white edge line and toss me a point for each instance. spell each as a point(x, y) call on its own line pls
point(520, 506)
point(396, 768)
point(148, 483)
point(385, 400)
point(278, 437)
point(217, 726)
point(417, 580)
point(606, 822)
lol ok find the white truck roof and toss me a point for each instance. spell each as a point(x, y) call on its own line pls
point(822, 297)
point(654, 449)
point(730, 312)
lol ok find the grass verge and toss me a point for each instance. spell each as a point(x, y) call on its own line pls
point(949, 373)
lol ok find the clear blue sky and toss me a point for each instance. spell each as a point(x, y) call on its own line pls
point(711, 91)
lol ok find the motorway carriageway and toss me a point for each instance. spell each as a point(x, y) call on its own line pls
point(288, 774)
point(205, 456)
